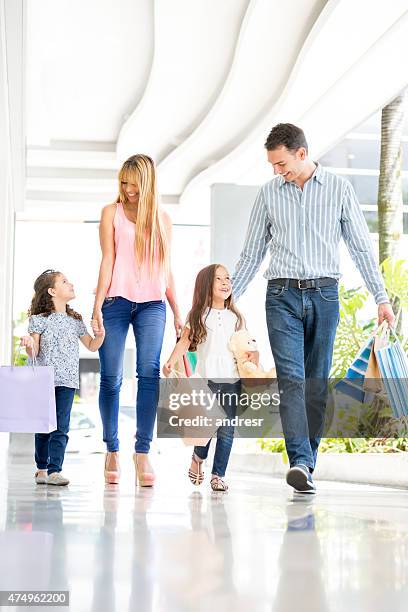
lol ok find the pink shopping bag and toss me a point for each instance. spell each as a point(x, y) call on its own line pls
point(27, 399)
point(183, 383)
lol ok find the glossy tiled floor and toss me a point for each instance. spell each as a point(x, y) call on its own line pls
point(176, 548)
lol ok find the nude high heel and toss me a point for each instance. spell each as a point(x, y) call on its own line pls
point(112, 468)
point(146, 479)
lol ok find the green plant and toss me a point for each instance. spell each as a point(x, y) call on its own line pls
point(363, 445)
point(19, 356)
point(342, 445)
point(351, 333)
point(395, 274)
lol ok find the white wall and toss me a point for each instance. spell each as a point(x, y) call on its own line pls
point(231, 206)
point(73, 248)
point(11, 153)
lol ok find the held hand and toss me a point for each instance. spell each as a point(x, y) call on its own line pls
point(178, 325)
point(385, 313)
point(27, 341)
point(167, 368)
point(99, 333)
point(97, 323)
point(253, 356)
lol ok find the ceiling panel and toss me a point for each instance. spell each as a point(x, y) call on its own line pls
point(87, 66)
point(194, 44)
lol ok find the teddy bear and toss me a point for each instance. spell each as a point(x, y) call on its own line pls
point(241, 342)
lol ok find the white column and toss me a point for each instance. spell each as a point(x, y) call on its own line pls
point(12, 155)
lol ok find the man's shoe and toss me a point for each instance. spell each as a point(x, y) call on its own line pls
point(56, 478)
point(300, 479)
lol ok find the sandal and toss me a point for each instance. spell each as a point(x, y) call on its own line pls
point(218, 484)
point(196, 477)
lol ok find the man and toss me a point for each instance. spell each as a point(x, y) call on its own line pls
point(300, 217)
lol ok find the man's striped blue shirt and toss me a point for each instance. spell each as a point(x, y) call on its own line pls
point(302, 231)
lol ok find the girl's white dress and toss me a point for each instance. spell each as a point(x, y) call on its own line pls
point(214, 359)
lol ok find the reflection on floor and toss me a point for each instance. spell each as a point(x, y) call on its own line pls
point(177, 548)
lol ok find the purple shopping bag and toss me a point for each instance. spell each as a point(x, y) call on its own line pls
point(27, 399)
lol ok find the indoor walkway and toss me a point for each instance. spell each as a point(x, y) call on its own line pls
point(175, 548)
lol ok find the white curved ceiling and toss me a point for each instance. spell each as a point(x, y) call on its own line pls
point(88, 62)
point(197, 85)
point(194, 44)
point(322, 93)
point(270, 40)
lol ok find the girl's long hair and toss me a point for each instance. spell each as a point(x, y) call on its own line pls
point(150, 236)
point(202, 300)
point(42, 301)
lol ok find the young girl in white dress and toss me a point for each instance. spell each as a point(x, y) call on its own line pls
point(211, 322)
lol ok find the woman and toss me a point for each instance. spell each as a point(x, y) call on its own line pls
point(134, 279)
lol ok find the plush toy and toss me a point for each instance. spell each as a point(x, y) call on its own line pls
point(241, 342)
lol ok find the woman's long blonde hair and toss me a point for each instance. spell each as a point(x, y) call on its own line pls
point(150, 235)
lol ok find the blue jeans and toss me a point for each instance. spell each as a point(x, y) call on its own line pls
point(50, 447)
point(225, 434)
point(302, 327)
point(148, 320)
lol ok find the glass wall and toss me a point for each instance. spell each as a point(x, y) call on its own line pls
point(358, 158)
point(73, 248)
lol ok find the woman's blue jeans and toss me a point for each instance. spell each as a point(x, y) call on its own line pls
point(148, 320)
point(225, 434)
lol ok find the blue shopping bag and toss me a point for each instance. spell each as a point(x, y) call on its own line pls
point(353, 382)
point(393, 365)
point(363, 377)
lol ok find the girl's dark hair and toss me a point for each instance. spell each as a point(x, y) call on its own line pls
point(286, 135)
point(202, 299)
point(42, 301)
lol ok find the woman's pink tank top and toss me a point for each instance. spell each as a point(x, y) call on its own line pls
point(129, 280)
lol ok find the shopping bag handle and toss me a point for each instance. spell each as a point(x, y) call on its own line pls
point(176, 374)
point(394, 333)
point(385, 329)
point(34, 361)
point(382, 328)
